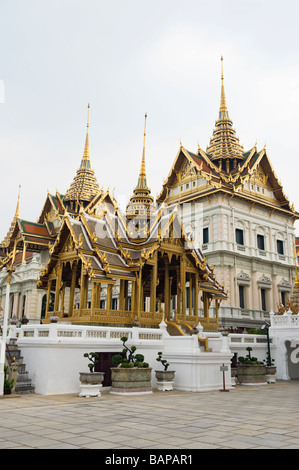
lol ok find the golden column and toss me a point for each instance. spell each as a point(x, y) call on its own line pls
point(154, 274)
point(196, 297)
point(183, 284)
point(166, 290)
point(72, 289)
point(57, 288)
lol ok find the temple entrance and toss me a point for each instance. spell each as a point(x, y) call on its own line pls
point(103, 365)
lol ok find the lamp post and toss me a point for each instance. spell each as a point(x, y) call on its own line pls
point(266, 327)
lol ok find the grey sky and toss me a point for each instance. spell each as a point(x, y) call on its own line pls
point(131, 57)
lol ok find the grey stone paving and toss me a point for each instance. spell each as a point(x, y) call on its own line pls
point(256, 417)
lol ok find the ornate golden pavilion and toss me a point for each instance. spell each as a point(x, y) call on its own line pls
point(145, 253)
point(94, 249)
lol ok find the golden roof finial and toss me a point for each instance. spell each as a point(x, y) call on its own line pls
point(142, 175)
point(86, 155)
point(223, 107)
point(17, 214)
point(142, 170)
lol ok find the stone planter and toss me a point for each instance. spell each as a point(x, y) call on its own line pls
point(233, 376)
point(271, 374)
point(128, 381)
point(91, 383)
point(251, 374)
point(165, 379)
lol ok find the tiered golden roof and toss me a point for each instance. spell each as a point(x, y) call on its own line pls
point(224, 144)
point(84, 186)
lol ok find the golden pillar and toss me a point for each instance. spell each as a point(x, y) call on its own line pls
point(48, 297)
point(57, 288)
point(190, 294)
point(206, 306)
point(72, 289)
point(109, 298)
point(196, 297)
point(154, 286)
point(139, 293)
point(122, 294)
point(166, 290)
point(179, 293)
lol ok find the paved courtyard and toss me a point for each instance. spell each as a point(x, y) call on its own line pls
point(256, 417)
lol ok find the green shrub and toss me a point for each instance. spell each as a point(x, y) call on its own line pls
point(130, 359)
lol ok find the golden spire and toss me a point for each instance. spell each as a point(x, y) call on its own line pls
point(141, 200)
point(142, 170)
point(84, 186)
point(224, 144)
point(223, 107)
point(17, 213)
point(142, 175)
point(85, 163)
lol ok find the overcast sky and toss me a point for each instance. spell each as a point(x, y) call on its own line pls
point(128, 57)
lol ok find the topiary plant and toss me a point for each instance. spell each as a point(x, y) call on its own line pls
point(93, 357)
point(163, 361)
point(130, 359)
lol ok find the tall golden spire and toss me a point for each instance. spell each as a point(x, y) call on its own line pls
point(85, 163)
point(6, 240)
point(84, 186)
point(141, 201)
point(142, 175)
point(224, 146)
point(223, 107)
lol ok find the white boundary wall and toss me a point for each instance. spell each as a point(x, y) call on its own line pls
point(53, 355)
point(239, 342)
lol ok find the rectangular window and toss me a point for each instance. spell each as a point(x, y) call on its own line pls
point(280, 247)
point(239, 236)
point(283, 298)
point(241, 296)
point(205, 235)
point(114, 304)
point(102, 303)
point(263, 299)
point(261, 242)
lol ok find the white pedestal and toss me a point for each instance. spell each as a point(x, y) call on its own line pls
point(90, 390)
point(164, 386)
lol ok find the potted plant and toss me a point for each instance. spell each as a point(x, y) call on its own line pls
point(250, 370)
point(270, 369)
point(91, 382)
point(8, 384)
point(165, 378)
point(131, 375)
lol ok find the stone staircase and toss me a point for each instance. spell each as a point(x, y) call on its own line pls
point(24, 383)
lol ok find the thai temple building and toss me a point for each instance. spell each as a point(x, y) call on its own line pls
point(216, 247)
point(84, 262)
point(235, 207)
